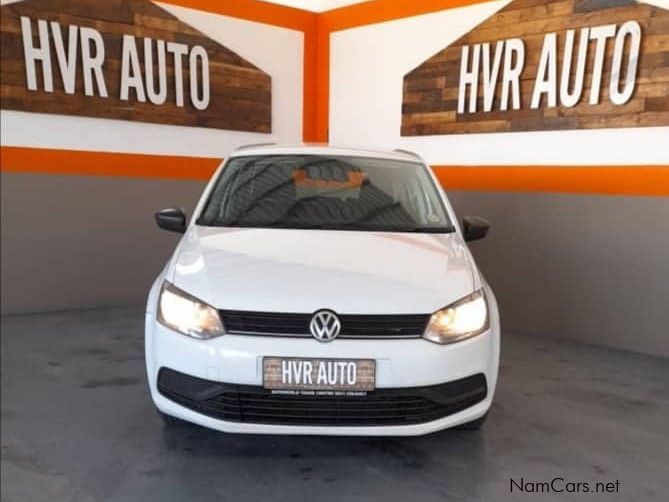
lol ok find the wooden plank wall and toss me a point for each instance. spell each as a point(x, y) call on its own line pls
point(430, 97)
point(240, 92)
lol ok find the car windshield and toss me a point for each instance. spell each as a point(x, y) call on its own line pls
point(326, 192)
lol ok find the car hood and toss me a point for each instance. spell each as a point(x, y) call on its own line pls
point(283, 270)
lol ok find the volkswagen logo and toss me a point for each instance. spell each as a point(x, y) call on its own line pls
point(325, 326)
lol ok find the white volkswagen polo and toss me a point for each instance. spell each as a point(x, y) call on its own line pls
point(320, 290)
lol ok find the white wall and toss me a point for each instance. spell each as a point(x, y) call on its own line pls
point(367, 67)
point(277, 51)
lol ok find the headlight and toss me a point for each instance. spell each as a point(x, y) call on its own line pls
point(463, 319)
point(186, 314)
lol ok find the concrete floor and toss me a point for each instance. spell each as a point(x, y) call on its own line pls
point(78, 425)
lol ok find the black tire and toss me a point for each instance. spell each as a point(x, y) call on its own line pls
point(170, 420)
point(474, 425)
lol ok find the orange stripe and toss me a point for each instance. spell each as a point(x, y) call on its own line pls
point(603, 180)
point(322, 97)
point(48, 161)
point(310, 83)
point(380, 11)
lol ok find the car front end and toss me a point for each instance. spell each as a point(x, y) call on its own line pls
point(339, 330)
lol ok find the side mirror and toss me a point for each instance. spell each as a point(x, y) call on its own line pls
point(172, 219)
point(474, 228)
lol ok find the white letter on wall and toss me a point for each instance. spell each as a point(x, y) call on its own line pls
point(179, 50)
point(198, 52)
point(92, 66)
point(546, 80)
point(159, 97)
point(490, 75)
point(32, 54)
point(130, 64)
point(600, 33)
point(67, 63)
point(468, 78)
point(632, 29)
point(514, 62)
point(568, 98)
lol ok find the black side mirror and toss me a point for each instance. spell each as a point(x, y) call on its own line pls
point(172, 219)
point(474, 228)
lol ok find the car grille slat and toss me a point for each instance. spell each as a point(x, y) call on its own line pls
point(307, 407)
point(297, 325)
point(254, 404)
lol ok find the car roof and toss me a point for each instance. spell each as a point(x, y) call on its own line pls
point(322, 149)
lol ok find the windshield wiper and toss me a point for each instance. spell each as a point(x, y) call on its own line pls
point(446, 229)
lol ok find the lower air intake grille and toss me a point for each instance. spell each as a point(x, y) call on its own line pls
point(254, 404)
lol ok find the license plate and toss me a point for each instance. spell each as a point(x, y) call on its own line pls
point(295, 374)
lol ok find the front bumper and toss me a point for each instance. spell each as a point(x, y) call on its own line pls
point(237, 360)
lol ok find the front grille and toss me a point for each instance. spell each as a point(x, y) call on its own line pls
point(297, 325)
point(254, 404)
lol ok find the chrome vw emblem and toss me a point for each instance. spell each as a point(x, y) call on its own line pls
point(325, 326)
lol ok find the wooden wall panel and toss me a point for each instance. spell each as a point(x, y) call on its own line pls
point(430, 93)
point(240, 92)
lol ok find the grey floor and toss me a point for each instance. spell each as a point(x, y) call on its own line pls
point(77, 424)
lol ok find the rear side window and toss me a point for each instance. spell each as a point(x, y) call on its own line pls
point(326, 192)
